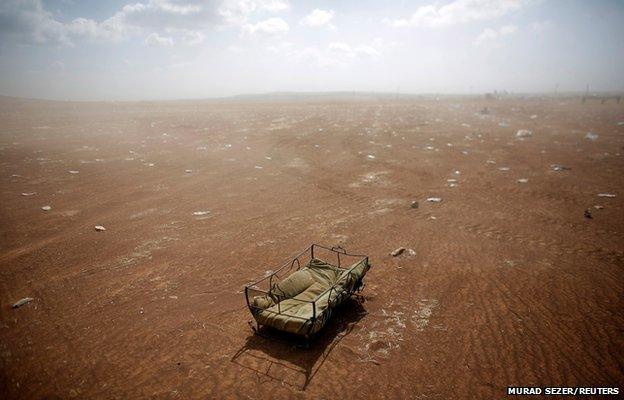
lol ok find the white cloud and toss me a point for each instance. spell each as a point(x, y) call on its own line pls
point(317, 57)
point(155, 40)
point(279, 48)
point(237, 12)
point(111, 29)
point(269, 26)
point(354, 51)
point(57, 66)
point(193, 38)
point(274, 5)
point(339, 46)
point(28, 21)
point(338, 54)
point(367, 51)
point(159, 15)
point(318, 18)
point(491, 36)
point(459, 11)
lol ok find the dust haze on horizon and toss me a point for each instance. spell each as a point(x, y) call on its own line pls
point(174, 49)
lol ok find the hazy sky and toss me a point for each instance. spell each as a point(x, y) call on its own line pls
point(168, 49)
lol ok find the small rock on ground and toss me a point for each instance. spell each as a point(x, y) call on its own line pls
point(398, 252)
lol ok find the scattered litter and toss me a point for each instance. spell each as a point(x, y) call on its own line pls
point(398, 252)
point(434, 199)
point(558, 167)
point(414, 204)
point(23, 301)
point(503, 169)
point(490, 162)
point(522, 133)
point(464, 152)
point(100, 228)
point(268, 158)
point(29, 194)
point(610, 195)
point(188, 171)
point(457, 172)
point(452, 184)
point(523, 180)
point(150, 164)
point(597, 207)
point(201, 213)
point(258, 167)
point(503, 124)
point(370, 157)
point(533, 116)
point(46, 208)
point(74, 172)
point(591, 136)
point(588, 214)
point(621, 123)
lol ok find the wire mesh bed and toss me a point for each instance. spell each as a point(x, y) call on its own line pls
point(301, 295)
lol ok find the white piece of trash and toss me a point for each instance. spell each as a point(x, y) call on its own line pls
point(523, 133)
point(99, 228)
point(23, 301)
point(46, 208)
point(610, 195)
point(434, 199)
point(201, 213)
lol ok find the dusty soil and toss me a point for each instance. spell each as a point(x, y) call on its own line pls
point(508, 283)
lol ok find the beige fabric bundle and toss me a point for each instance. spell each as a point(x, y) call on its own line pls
point(298, 304)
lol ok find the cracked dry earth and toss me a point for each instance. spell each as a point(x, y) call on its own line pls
point(507, 284)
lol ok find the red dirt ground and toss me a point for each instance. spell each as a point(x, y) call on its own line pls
point(509, 284)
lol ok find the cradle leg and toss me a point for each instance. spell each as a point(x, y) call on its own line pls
point(305, 344)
